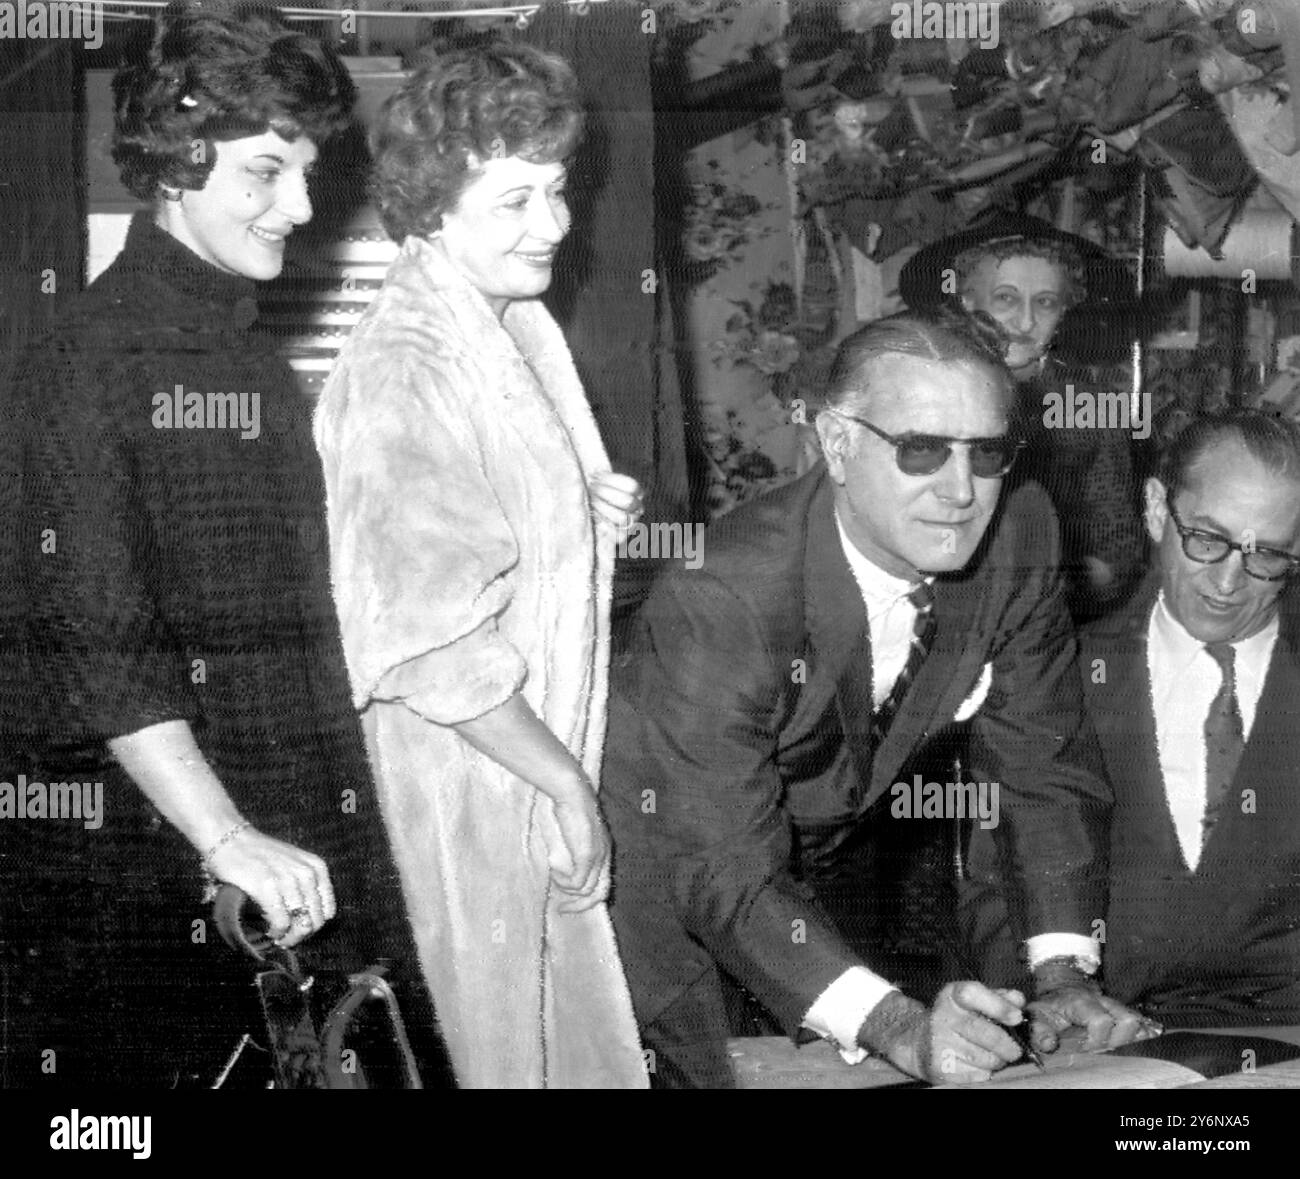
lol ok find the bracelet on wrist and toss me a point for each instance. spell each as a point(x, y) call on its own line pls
point(205, 866)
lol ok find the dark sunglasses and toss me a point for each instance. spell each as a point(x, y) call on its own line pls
point(1209, 548)
point(923, 454)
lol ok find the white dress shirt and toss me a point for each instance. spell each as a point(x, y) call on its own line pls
point(1184, 681)
point(839, 1011)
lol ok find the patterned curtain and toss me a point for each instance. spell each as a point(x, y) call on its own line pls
point(730, 209)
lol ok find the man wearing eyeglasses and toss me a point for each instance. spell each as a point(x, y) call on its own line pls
point(770, 705)
point(1194, 689)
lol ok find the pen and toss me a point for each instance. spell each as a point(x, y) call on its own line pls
point(1020, 1033)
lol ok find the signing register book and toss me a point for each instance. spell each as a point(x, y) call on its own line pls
point(1175, 1060)
point(1222, 1059)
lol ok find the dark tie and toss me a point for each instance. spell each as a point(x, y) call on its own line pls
point(1224, 738)
point(922, 597)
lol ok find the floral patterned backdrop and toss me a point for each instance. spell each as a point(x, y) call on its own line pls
point(739, 262)
point(862, 144)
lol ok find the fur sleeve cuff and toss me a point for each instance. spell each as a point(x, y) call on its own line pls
point(460, 681)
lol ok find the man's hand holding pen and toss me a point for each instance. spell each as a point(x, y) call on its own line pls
point(963, 1038)
point(972, 1030)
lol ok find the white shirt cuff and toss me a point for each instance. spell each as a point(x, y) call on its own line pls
point(1063, 945)
point(840, 1009)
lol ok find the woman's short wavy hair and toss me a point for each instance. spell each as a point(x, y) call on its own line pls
point(460, 109)
point(1074, 271)
point(212, 76)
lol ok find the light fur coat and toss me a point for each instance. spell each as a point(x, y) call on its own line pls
point(467, 566)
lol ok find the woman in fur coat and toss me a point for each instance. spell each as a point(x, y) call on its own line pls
point(473, 519)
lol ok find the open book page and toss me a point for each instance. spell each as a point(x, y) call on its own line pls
point(1250, 1058)
point(1269, 1076)
point(1172, 1061)
point(1084, 1070)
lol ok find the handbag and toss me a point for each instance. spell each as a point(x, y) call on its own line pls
point(322, 1032)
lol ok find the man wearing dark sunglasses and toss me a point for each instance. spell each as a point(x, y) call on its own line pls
point(924, 454)
point(1194, 690)
point(770, 705)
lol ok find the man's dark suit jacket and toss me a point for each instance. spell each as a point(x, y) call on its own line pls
point(1220, 945)
point(738, 770)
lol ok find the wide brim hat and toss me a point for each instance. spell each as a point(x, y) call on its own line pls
point(1109, 281)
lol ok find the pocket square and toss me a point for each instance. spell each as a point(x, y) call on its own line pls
point(970, 706)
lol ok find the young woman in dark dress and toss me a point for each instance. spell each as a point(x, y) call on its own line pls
point(182, 647)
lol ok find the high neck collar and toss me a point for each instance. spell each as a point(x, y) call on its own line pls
point(154, 251)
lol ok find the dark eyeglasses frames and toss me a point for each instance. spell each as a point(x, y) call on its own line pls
point(1209, 548)
point(923, 454)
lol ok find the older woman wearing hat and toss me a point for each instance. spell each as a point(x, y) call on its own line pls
point(1026, 275)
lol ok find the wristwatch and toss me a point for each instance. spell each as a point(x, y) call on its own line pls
point(1084, 964)
point(1067, 970)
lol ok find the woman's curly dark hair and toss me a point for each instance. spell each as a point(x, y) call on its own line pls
point(504, 100)
point(212, 76)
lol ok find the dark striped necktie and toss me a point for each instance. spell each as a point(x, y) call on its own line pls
point(922, 598)
point(1224, 738)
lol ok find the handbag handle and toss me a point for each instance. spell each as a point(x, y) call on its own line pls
point(369, 984)
point(229, 910)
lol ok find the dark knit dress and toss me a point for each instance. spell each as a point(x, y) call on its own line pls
point(167, 572)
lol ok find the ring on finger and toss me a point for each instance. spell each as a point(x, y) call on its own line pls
point(300, 916)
